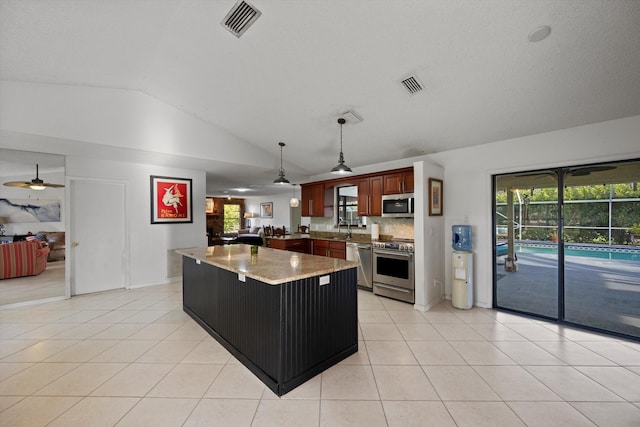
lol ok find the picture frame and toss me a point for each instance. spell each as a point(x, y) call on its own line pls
point(171, 200)
point(209, 205)
point(266, 210)
point(435, 197)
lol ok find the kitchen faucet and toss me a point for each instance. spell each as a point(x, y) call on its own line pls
point(341, 223)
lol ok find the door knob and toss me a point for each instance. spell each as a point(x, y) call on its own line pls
point(74, 244)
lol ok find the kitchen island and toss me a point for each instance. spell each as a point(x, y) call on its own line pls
point(286, 316)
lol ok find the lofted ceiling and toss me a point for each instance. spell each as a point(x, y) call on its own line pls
point(303, 63)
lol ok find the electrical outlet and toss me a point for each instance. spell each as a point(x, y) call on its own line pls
point(435, 282)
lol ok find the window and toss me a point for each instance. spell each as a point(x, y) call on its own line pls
point(347, 203)
point(231, 218)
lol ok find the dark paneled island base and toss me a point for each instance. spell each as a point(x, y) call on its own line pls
point(285, 333)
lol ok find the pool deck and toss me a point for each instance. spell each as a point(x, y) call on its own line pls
point(599, 292)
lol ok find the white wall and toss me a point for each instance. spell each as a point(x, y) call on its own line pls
point(148, 243)
point(467, 179)
point(429, 245)
point(281, 209)
point(116, 118)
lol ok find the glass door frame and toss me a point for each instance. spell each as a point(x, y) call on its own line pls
point(560, 319)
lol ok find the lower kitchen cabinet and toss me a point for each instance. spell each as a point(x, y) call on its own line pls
point(329, 248)
point(295, 245)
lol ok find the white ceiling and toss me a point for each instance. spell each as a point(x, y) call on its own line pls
point(303, 63)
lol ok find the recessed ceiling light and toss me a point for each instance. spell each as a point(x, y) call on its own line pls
point(539, 34)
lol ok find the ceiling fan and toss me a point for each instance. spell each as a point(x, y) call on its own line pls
point(586, 170)
point(578, 171)
point(35, 184)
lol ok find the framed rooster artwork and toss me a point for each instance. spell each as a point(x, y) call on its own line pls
point(171, 201)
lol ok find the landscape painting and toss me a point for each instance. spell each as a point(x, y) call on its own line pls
point(29, 210)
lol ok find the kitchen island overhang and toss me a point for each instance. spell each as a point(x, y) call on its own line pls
point(286, 316)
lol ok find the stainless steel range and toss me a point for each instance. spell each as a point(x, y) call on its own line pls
point(393, 269)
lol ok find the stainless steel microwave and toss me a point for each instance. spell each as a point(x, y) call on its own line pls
point(397, 205)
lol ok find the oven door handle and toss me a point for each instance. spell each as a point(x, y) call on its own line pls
point(394, 253)
point(394, 288)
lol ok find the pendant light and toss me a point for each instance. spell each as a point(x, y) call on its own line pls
point(294, 202)
point(281, 179)
point(341, 168)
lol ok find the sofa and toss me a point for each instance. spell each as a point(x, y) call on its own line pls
point(254, 236)
point(55, 241)
point(24, 258)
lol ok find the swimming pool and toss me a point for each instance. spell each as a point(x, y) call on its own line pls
point(589, 251)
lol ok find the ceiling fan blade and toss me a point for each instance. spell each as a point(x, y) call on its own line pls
point(17, 184)
point(22, 184)
point(537, 175)
point(588, 169)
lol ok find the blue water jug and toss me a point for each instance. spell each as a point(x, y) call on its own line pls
point(461, 238)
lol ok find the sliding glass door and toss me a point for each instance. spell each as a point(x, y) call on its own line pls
point(601, 263)
point(526, 226)
point(564, 246)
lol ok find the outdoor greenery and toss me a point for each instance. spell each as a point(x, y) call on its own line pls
point(540, 214)
point(231, 217)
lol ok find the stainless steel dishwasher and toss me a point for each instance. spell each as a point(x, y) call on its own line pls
point(361, 252)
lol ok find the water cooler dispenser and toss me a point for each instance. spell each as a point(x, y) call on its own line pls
point(462, 267)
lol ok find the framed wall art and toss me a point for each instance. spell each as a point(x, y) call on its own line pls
point(171, 201)
point(29, 210)
point(266, 210)
point(435, 197)
point(209, 206)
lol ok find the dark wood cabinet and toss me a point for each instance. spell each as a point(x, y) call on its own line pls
point(318, 197)
point(312, 200)
point(320, 247)
point(329, 248)
point(398, 182)
point(370, 196)
point(338, 250)
point(294, 245)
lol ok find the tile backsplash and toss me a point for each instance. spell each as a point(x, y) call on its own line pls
point(397, 227)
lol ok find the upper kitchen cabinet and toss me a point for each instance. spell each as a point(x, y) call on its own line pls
point(313, 199)
point(398, 182)
point(370, 196)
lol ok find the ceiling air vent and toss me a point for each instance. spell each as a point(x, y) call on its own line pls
point(240, 18)
point(412, 84)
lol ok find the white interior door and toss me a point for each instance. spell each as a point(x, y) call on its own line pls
point(97, 236)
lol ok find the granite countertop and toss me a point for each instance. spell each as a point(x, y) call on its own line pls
point(271, 266)
point(290, 236)
point(331, 236)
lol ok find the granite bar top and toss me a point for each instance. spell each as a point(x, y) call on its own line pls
point(271, 266)
point(331, 236)
point(294, 236)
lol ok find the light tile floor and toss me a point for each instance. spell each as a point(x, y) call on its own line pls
point(133, 358)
